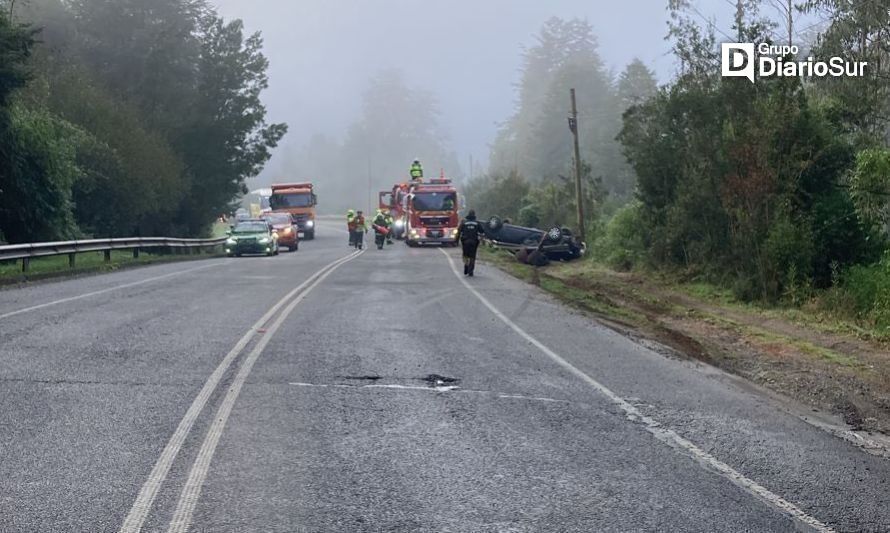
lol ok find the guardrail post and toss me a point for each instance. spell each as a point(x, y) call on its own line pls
point(107, 256)
point(71, 260)
point(135, 253)
point(26, 263)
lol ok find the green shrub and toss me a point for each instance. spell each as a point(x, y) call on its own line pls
point(869, 289)
point(623, 243)
point(788, 264)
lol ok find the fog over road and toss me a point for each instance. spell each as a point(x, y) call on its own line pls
point(386, 394)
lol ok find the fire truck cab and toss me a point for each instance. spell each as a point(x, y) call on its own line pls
point(431, 211)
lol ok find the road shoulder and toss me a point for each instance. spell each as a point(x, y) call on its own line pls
point(837, 380)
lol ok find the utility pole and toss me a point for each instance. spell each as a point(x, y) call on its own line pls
point(579, 192)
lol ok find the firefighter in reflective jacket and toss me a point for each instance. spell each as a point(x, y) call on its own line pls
point(359, 228)
point(416, 170)
point(350, 226)
point(470, 234)
point(381, 229)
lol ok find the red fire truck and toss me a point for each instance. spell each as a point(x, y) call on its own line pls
point(394, 201)
point(431, 213)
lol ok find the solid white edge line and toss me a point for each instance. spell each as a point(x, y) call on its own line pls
point(103, 291)
point(191, 491)
point(660, 432)
point(147, 494)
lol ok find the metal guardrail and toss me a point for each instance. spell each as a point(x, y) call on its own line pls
point(26, 252)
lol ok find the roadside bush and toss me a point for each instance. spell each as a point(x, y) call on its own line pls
point(869, 289)
point(789, 260)
point(36, 200)
point(623, 243)
point(501, 195)
point(530, 215)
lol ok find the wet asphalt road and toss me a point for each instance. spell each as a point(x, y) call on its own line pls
point(390, 398)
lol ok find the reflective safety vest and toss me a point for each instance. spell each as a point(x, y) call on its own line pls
point(416, 171)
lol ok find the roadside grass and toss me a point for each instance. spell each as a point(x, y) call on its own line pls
point(823, 361)
point(809, 315)
point(772, 338)
point(585, 300)
point(627, 299)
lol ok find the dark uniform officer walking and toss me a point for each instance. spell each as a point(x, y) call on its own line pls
point(469, 234)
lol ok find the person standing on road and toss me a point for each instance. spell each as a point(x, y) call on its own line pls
point(350, 226)
point(416, 170)
point(381, 229)
point(470, 233)
point(360, 228)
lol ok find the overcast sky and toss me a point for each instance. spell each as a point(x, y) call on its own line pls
point(467, 52)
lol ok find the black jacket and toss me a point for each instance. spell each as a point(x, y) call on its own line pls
point(470, 230)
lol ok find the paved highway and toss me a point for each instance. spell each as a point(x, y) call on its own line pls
point(332, 391)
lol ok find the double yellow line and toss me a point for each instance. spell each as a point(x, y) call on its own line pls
point(269, 323)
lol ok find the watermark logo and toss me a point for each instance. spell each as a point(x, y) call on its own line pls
point(764, 60)
point(738, 60)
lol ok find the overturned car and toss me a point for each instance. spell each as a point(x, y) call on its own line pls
point(532, 245)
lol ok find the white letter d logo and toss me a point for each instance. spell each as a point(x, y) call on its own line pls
point(738, 60)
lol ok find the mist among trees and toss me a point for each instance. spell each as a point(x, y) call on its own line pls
point(532, 153)
point(397, 123)
point(126, 117)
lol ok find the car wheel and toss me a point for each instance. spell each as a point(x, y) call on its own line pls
point(495, 223)
point(309, 235)
point(554, 235)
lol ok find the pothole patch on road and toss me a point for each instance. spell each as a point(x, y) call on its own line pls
point(371, 378)
point(436, 381)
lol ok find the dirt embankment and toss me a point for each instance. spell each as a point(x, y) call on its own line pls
point(827, 370)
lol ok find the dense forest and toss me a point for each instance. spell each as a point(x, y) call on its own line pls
point(126, 117)
point(778, 189)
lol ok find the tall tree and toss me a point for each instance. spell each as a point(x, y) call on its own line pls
point(227, 140)
point(536, 141)
point(144, 51)
point(559, 42)
point(636, 84)
point(36, 155)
